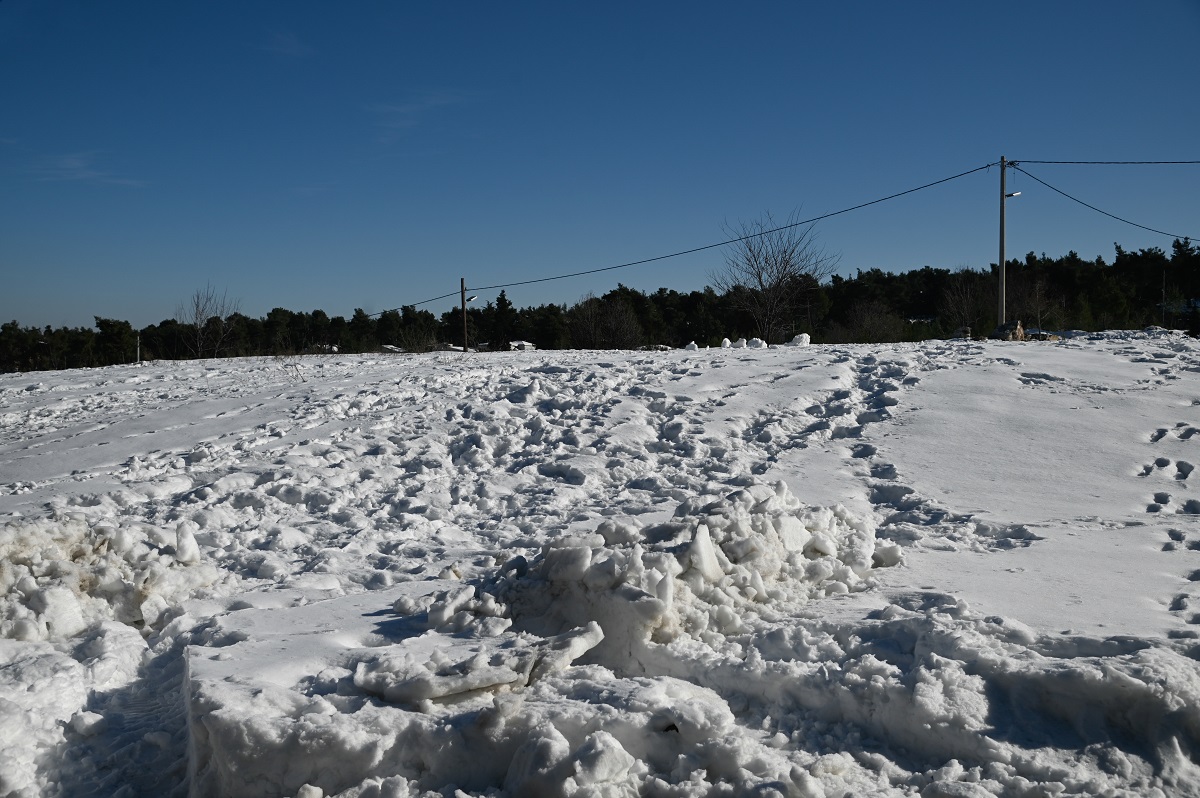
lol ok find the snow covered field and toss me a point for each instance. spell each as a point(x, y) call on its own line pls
point(937, 569)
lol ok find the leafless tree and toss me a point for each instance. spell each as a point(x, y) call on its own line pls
point(209, 319)
point(873, 322)
point(1038, 304)
point(964, 302)
point(583, 320)
point(417, 339)
point(771, 271)
point(869, 321)
point(607, 323)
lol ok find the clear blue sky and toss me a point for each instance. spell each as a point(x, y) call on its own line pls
point(331, 155)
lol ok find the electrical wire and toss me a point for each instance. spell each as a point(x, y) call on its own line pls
point(414, 304)
point(1093, 207)
point(1011, 164)
point(735, 240)
point(1110, 163)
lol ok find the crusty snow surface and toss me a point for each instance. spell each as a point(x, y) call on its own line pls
point(936, 569)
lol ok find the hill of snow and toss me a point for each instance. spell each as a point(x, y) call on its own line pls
point(936, 569)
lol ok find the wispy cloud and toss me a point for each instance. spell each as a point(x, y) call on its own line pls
point(287, 44)
point(393, 118)
point(79, 167)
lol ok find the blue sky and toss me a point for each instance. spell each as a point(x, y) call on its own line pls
point(319, 155)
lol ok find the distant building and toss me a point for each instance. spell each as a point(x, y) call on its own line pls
point(521, 346)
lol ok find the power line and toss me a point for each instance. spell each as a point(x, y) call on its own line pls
point(1093, 207)
point(733, 240)
point(1011, 164)
point(414, 304)
point(1110, 163)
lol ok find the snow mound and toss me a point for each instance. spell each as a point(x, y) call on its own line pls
point(327, 691)
point(342, 698)
point(60, 576)
point(694, 576)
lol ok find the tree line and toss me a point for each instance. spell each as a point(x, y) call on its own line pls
point(1137, 289)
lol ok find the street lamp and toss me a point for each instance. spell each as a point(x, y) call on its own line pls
point(1003, 196)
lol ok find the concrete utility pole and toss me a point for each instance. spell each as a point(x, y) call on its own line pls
point(1003, 196)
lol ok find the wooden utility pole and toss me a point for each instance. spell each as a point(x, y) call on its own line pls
point(1003, 196)
point(463, 289)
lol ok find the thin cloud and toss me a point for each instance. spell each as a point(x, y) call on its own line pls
point(287, 44)
point(393, 119)
point(79, 167)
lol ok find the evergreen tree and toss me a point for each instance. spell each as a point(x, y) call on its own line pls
point(116, 342)
point(504, 320)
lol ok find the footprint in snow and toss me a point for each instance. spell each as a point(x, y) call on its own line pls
point(1182, 431)
point(1161, 500)
point(883, 471)
point(1180, 605)
point(1176, 540)
point(861, 450)
point(1149, 468)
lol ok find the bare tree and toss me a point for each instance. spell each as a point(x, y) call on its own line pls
point(209, 319)
point(771, 271)
point(606, 323)
point(873, 322)
point(1038, 304)
point(417, 339)
point(964, 302)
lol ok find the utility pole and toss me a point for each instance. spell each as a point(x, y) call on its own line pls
point(1003, 196)
point(463, 289)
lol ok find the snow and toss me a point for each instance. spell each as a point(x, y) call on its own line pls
point(950, 568)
